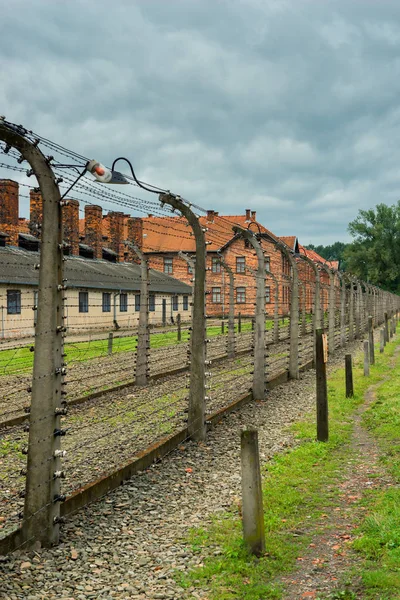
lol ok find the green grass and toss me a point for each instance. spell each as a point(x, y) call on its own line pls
point(299, 487)
point(379, 534)
point(20, 360)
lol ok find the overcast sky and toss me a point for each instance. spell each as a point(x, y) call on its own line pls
point(287, 107)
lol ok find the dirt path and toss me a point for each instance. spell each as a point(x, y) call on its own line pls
point(322, 570)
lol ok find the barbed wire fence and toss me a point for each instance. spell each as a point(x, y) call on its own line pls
point(69, 434)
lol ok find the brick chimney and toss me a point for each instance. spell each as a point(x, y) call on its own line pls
point(116, 233)
point(135, 235)
point(36, 213)
point(94, 229)
point(253, 215)
point(70, 219)
point(9, 208)
point(248, 214)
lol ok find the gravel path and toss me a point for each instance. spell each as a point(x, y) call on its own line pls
point(128, 544)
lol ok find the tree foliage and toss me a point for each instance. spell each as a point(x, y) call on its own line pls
point(332, 252)
point(374, 255)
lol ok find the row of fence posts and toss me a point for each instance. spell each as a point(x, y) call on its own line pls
point(41, 516)
point(252, 498)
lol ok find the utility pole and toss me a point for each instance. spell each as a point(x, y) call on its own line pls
point(259, 331)
point(42, 495)
point(197, 398)
point(231, 314)
point(143, 343)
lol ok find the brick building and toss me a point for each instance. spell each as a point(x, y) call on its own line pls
point(163, 240)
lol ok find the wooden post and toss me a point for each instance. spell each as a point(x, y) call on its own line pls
point(371, 341)
point(322, 390)
point(222, 326)
point(349, 376)
point(252, 323)
point(252, 504)
point(366, 358)
point(240, 322)
point(178, 322)
point(110, 342)
point(381, 341)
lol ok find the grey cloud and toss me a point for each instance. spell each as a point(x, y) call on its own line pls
point(285, 106)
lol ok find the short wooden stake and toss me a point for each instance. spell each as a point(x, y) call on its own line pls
point(371, 341)
point(110, 342)
point(178, 322)
point(252, 504)
point(381, 341)
point(222, 326)
point(386, 326)
point(366, 358)
point(349, 376)
point(322, 390)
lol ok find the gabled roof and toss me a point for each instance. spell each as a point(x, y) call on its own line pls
point(291, 241)
point(174, 234)
point(17, 268)
point(333, 264)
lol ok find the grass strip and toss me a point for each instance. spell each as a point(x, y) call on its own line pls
point(379, 534)
point(299, 487)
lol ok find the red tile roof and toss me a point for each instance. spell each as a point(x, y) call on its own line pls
point(334, 264)
point(289, 240)
point(173, 234)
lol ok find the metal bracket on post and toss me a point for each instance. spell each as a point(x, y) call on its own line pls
point(197, 402)
point(259, 331)
point(143, 344)
point(231, 314)
point(41, 512)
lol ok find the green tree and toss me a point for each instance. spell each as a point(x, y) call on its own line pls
point(332, 252)
point(374, 255)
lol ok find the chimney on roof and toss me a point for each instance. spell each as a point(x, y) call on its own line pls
point(210, 216)
point(253, 215)
point(247, 214)
point(36, 212)
point(9, 208)
point(116, 223)
point(70, 220)
point(150, 215)
point(94, 229)
point(135, 235)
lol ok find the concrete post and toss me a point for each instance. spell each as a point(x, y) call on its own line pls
point(381, 341)
point(252, 503)
point(342, 310)
point(276, 306)
point(386, 328)
point(143, 344)
point(331, 309)
point(110, 343)
point(197, 399)
point(42, 495)
point(371, 341)
point(303, 309)
point(231, 314)
point(259, 333)
point(351, 309)
point(294, 315)
point(317, 299)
